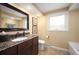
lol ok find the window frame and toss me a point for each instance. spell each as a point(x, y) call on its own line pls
point(66, 13)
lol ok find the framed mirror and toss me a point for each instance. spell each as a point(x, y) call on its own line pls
point(12, 18)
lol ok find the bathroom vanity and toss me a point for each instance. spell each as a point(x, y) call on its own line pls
point(20, 46)
point(13, 42)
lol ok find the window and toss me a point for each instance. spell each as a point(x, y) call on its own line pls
point(58, 22)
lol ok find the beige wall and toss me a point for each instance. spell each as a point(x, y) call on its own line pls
point(60, 39)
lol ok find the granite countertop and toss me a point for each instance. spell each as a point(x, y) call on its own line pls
point(13, 42)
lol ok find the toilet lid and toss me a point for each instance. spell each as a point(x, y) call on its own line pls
point(41, 41)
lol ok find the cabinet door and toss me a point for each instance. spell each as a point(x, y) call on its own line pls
point(25, 48)
point(35, 46)
point(9, 51)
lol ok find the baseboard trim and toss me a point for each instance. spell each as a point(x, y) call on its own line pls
point(57, 48)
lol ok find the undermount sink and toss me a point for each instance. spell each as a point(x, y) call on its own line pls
point(19, 39)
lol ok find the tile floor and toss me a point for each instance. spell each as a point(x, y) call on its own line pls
point(51, 51)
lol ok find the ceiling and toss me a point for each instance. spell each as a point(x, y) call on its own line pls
point(31, 8)
point(47, 7)
point(74, 6)
point(27, 7)
point(43, 8)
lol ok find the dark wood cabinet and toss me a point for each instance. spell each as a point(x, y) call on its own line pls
point(9, 51)
point(25, 48)
point(35, 46)
point(29, 47)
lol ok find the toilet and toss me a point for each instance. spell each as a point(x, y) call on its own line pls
point(41, 44)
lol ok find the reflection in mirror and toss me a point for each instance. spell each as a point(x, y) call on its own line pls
point(10, 18)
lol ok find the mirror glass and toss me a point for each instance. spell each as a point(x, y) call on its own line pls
point(10, 18)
